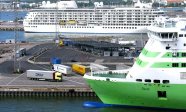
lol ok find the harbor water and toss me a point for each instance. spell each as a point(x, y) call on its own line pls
point(64, 104)
point(39, 37)
point(22, 36)
point(11, 15)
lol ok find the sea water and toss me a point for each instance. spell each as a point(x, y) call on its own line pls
point(62, 104)
point(11, 15)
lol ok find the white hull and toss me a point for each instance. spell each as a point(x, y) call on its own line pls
point(87, 30)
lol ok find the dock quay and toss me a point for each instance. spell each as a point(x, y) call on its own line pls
point(46, 92)
point(18, 85)
point(11, 27)
point(38, 57)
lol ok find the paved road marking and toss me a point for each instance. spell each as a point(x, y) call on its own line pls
point(15, 79)
point(40, 66)
point(46, 67)
point(74, 81)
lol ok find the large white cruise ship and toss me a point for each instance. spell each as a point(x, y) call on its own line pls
point(66, 17)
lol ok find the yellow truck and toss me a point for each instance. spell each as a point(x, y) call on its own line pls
point(80, 69)
point(61, 43)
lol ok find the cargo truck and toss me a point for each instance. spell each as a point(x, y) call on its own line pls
point(80, 69)
point(44, 75)
point(65, 70)
point(21, 52)
point(61, 43)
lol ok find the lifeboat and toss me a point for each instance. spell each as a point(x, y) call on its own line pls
point(62, 22)
point(71, 22)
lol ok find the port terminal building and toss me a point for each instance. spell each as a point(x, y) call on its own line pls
point(101, 48)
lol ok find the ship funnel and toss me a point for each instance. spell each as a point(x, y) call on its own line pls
point(48, 2)
point(98, 4)
point(61, 4)
point(43, 3)
point(142, 5)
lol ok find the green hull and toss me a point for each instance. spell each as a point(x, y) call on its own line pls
point(171, 96)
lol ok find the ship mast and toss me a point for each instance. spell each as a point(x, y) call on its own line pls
point(56, 21)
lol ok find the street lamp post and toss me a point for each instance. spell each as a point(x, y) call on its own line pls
point(16, 47)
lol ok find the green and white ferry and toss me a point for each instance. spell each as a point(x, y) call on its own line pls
point(158, 76)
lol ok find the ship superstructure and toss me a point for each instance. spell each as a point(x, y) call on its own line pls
point(66, 17)
point(158, 76)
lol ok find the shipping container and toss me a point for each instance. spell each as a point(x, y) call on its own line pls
point(80, 69)
point(44, 75)
point(62, 69)
point(55, 60)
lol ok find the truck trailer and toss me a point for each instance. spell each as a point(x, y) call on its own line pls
point(80, 69)
point(62, 69)
point(98, 67)
point(44, 75)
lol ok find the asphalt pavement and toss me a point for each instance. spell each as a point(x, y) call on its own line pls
point(7, 78)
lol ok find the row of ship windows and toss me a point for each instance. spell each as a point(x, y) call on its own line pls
point(95, 24)
point(170, 35)
point(102, 27)
point(92, 20)
point(95, 21)
point(91, 11)
point(98, 21)
point(97, 12)
point(164, 35)
point(182, 35)
point(120, 27)
point(167, 35)
point(154, 81)
point(92, 27)
point(178, 64)
point(147, 24)
point(94, 12)
point(89, 19)
point(31, 26)
point(178, 54)
point(75, 17)
point(94, 15)
point(76, 27)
